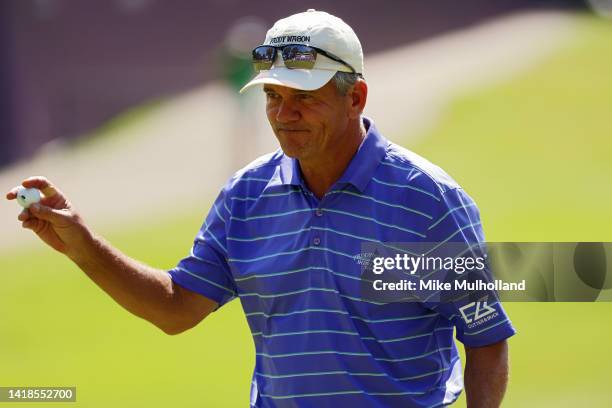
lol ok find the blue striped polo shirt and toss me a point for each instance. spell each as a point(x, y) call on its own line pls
point(293, 260)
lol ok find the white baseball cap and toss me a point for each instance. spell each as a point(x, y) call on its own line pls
point(317, 29)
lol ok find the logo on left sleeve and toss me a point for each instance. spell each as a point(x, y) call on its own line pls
point(482, 313)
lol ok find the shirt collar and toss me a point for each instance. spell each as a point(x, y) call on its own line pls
point(361, 168)
point(290, 173)
point(363, 164)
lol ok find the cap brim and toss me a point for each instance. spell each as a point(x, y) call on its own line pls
point(304, 79)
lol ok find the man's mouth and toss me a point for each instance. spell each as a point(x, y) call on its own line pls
point(291, 130)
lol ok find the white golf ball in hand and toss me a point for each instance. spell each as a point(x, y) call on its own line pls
point(27, 196)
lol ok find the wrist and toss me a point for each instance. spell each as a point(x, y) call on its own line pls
point(84, 247)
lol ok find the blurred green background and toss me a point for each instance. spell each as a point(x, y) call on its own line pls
point(534, 153)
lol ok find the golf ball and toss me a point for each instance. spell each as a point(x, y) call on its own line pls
point(27, 196)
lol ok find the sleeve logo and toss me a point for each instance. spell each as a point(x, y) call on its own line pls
point(481, 310)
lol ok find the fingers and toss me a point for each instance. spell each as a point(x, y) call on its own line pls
point(23, 215)
point(41, 183)
point(12, 194)
point(47, 213)
point(52, 196)
point(31, 224)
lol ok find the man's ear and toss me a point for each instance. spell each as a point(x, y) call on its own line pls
point(359, 96)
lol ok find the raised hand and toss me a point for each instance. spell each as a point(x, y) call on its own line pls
point(54, 219)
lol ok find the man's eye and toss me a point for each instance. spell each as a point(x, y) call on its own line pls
point(305, 97)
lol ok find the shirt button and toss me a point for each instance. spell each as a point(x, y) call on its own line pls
point(316, 241)
point(319, 212)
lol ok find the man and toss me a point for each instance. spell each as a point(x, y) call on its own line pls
point(285, 236)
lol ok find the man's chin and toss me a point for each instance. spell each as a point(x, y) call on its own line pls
point(295, 152)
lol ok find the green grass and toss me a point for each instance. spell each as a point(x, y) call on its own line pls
point(58, 328)
point(533, 152)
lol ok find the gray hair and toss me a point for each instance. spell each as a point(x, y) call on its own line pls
point(344, 81)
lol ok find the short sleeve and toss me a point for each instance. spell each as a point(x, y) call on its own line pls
point(205, 270)
point(482, 321)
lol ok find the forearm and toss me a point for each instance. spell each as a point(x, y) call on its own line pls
point(140, 289)
point(486, 375)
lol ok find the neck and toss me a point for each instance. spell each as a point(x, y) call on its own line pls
point(322, 172)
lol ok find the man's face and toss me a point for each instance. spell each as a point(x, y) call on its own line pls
point(308, 124)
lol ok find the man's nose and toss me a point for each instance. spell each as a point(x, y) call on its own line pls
point(287, 112)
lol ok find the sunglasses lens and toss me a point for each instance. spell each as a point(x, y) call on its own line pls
point(299, 56)
point(263, 58)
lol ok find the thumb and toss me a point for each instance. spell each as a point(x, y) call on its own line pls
point(46, 213)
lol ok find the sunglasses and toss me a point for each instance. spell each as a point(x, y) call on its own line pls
point(295, 56)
